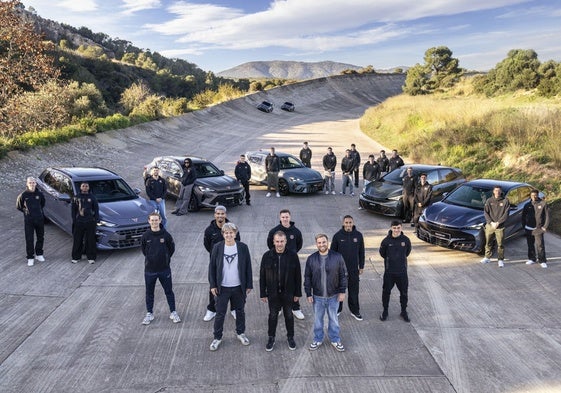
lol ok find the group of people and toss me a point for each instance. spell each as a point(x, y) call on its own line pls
point(328, 274)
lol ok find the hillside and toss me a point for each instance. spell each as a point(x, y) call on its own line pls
point(296, 70)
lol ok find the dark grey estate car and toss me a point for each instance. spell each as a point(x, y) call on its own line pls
point(458, 220)
point(385, 196)
point(265, 106)
point(123, 213)
point(211, 188)
point(294, 177)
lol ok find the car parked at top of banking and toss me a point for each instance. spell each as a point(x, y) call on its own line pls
point(294, 176)
point(123, 213)
point(385, 196)
point(288, 106)
point(211, 188)
point(458, 221)
point(265, 106)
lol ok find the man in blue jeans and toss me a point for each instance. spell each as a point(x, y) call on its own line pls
point(325, 282)
point(158, 246)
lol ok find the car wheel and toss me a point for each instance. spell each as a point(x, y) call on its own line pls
point(193, 204)
point(283, 187)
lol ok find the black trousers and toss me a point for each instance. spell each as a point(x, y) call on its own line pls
point(237, 297)
point(84, 231)
point(402, 282)
point(355, 175)
point(276, 304)
point(150, 279)
point(408, 207)
point(535, 241)
point(245, 185)
point(352, 297)
point(34, 226)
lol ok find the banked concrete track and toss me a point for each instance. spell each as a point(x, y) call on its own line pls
point(76, 328)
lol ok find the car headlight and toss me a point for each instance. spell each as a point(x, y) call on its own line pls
point(103, 223)
point(477, 227)
point(205, 189)
point(395, 198)
point(294, 179)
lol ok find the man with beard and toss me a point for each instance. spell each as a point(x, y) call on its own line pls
point(280, 283)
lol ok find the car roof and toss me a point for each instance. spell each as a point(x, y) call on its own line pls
point(263, 152)
point(428, 167)
point(180, 159)
point(504, 184)
point(87, 173)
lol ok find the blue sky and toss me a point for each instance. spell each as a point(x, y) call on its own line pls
point(220, 34)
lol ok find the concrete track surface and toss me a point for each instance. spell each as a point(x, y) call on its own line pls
point(76, 328)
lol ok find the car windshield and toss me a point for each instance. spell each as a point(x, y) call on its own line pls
point(206, 169)
point(290, 162)
point(470, 196)
point(110, 190)
point(395, 176)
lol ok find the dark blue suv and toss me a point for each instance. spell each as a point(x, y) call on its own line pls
point(123, 213)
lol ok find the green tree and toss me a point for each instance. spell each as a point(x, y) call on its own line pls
point(417, 81)
point(134, 96)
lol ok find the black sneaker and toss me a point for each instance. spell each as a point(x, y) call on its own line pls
point(291, 343)
point(357, 316)
point(384, 316)
point(270, 344)
point(405, 316)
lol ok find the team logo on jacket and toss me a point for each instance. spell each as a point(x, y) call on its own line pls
point(355, 240)
point(402, 244)
point(291, 237)
point(89, 200)
point(37, 197)
point(539, 207)
point(501, 204)
point(161, 240)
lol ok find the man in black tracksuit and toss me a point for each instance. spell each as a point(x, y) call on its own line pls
point(395, 249)
point(329, 164)
point(31, 203)
point(356, 158)
point(212, 236)
point(370, 170)
point(158, 246)
point(187, 183)
point(85, 216)
point(350, 243)
point(156, 189)
point(395, 161)
point(535, 220)
point(294, 242)
point(383, 162)
point(409, 184)
point(422, 198)
point(280, 283)
point(243, 175)
point(306, 155)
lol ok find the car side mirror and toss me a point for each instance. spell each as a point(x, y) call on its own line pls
point(221, 172)
point(64, 198)
point(177, 175)
point(136, 191)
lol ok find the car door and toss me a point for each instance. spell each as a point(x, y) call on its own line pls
point(173, 176)
point(258, 172)
point(58, 196)
point(446, 182)
point(517, 198)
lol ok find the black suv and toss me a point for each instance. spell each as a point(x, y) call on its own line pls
point(211, 188)
point(123, 213)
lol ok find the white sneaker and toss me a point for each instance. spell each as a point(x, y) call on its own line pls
point(268, 195)
point(530, 262)
point(30, 262)
point(233, 312)
point(326, 192)
point(174, 317)
point(544, 265)
point(148, 318)
point(209, 315)
point(40, 258)
point(74, 261)
point(278, 195)
point(298, 314)
point(485, 260)
point(91, 261)
point(501, 263)
point(243, 339)
point(333, 193)
point(215, 344)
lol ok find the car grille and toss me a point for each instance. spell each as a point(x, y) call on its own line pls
point(228, 199)
point(448, 237)
point(128, 237)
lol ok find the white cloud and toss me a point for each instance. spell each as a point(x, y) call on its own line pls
point(78, 6)
point(132, 6)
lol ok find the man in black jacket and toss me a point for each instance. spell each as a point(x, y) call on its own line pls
point(422, 198)
point(187, 182)
point(348, 169)
point(395, 161)
point(356, 158)
point(230, 278)
point(383, 162)
point(306, 155)
point(496, 213)
point(280, 284)
point(329, 164)
point(535, 220)
point(158, 246)
point(325, 283)
point(31, 203)
point(156, 189)
point(243, 175)
point(350, 243)
point(395, 249)
point(85, 216)
point(294, 242)
point(370, 170)
point(409, 184)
